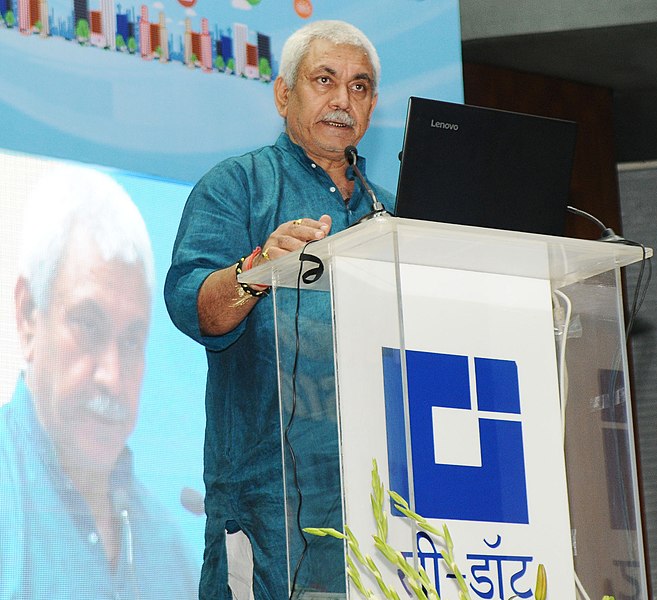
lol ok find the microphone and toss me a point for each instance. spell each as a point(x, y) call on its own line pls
point(193, 501)
point(608, 234)
point(351, 154)
point(121, 504)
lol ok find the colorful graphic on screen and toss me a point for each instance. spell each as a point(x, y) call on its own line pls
point(171, 87)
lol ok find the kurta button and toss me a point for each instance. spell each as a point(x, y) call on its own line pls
point(332, 189)
point(93, 538)
point(313, 165)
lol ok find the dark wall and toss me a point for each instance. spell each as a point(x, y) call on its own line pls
point(594, 186)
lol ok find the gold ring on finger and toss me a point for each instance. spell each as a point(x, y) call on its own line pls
point(297, 222)
point(265, 254)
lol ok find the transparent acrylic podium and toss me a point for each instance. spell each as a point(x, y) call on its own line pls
point(486, 374)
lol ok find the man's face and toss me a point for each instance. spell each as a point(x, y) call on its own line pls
point(330, 106)
point(85, 356)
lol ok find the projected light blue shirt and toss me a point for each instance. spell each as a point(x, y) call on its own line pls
point(233, 209)
point(49, 545)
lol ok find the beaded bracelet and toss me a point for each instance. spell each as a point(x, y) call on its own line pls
point(239, 269)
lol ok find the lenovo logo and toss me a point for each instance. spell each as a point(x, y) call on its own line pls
point(443, 125)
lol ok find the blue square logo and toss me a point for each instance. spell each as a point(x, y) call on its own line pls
point(465, 436)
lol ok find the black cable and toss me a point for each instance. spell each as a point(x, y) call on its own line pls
point(639, 294)
point(637, 300)
point(302, 258)
point(609, 236)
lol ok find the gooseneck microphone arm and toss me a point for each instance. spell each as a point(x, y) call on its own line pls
point(608, 234)
point(351, 154)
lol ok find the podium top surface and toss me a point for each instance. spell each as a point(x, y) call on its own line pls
point(389, 239)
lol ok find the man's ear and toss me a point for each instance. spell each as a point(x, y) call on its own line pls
point(281, 96)
point(25, 317)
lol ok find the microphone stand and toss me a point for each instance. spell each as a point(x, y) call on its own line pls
point(351, 154)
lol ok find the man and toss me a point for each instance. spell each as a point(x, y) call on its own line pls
point(262, 206)
point(74, 523)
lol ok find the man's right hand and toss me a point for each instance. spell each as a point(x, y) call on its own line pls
point(220, 309)
point(293, 235)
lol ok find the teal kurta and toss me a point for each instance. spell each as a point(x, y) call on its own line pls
point(233, 209)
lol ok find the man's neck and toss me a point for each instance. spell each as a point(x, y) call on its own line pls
point(335, 167)
point(339, 176)
point(337, 171)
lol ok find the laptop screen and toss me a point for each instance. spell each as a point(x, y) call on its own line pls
point(485, 167)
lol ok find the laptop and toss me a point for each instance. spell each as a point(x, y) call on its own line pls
point(485, 167)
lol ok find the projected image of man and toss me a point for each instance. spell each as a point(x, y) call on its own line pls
point(74, 522)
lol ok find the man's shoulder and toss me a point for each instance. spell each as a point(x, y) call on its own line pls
point(257, 167)
point(268, 153)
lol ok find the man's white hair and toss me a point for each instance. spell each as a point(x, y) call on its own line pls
point(338, 32)
point(72, 198)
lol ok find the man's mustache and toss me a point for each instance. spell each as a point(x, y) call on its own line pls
point(339, 116)
point(107, 408)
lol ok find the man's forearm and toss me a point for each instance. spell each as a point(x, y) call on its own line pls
point(222, 303)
